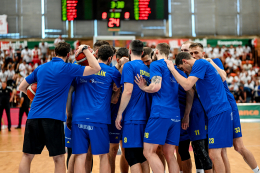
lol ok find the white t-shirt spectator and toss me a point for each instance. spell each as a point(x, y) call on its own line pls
point(216, 50)
point(229, 79)
point(230, 61)
point(57, 40)
point(247, 66)
point(10, 74)
point(25, 54)
point(247, 49)
point(3, 76)
point(44, 47)
point(207, 50)
point(231, 51)
point(2, 55)
point(245, 79)
point(240, 50)
point(211, 55)
point(251, 72)
point(22, 69)
point(250, 85)
point(36, 53)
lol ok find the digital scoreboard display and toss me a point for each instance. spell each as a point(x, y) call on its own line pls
point(116, 9)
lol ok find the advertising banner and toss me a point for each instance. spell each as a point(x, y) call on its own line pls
point(249, 110)
point(228, 42)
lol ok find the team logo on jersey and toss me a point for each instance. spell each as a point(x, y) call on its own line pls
point(94, 81)
point(125, 140)
point(172, 80)
point(82, 81)
point(146, 135)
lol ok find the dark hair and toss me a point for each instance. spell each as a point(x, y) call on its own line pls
point(121, 52)
point(147, 51)
point(26, 47)
point(163, 48)
point(181, 56)
point(137, 47)
point(100, 43)
point(36, 45)
point(62, 49)
point(114, 49)
point(196, 45)
point(104, 52)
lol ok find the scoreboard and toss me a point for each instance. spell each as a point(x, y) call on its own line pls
point(114, 10)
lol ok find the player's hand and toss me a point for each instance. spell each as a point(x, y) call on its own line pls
point(122, 61)
point(185, 122)
point(118, 121)
point(209, 59)
point(140, 81)
point(68, 122)
point(170, 64)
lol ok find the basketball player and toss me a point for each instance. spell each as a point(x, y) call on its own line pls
point(132, 110)
point(197, 52)
point(214, 100)
point(93, 95)
point(163, 127)
point(44, 125)
point(115, 134)
point(146, 57)
point(196, 131)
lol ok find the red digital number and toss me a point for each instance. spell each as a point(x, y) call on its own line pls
point(104, 15)
point(127, 15)
point(113, 22)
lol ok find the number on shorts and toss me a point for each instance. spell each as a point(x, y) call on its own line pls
point(197, 132)
point(211, 140)
point(237, 130)
point(125, 140)
point(146, 135)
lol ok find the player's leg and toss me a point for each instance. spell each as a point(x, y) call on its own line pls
point(89, 160)
point(25, 163)
point(159, 152)
point(183, 150)
point(136, 160)
point(1, 115)
point(7, 110)
point(145, 167)
point(215, 156)
point(247, 155)
point(179, 159)
point(225, 160)
point(152, 157)
point(112, 155)
point(21, 111)
point(69, 153)
point(104, 163)
point(168, 151)
point(80, 161)
point(59, 162)
point(71, 163)
point(124, 167)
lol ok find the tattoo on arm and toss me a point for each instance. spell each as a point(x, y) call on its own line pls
point(156, 79)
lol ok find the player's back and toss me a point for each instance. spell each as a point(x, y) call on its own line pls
point(136, 108)
point(93, 95)
point(165, 102)
point(53, 83)
point(210, 88)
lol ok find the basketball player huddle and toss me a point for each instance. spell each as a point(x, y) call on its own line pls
point(148, 104)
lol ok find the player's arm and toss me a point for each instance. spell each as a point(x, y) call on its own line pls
point(126, 96)
point(21, 101)
point(12, 96)
point(23, 86)
point(115, 96)
point(155, 86)
point(221, 72)
point(119, 66)
point(68, 107)
point(94, 66)
point(189, 102)
point(186, 83)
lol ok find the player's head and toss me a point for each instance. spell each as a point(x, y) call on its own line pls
point(99, 43)
point(36, 46)
point(196, 50)
point(146, 56)
point(182, 62)
point(62, 50)
point(4, 85)
point(136, 48)
point(185, 46)
point(162, 49)
point(121, 52)
point(154, 56)
point(105, 54)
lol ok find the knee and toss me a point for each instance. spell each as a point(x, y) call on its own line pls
point(59, 158)
point(113, 150)
point(28, 156)
point(147, 152)
point(239, 148)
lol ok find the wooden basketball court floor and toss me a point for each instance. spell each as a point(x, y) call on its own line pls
point(11, 152)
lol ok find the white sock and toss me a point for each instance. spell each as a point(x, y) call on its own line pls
point(256, 170)
point(199, 170)
point(181, 171)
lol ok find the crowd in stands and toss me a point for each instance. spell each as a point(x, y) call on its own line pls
point(243, 75)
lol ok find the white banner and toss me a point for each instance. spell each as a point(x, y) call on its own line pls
point(3, 24)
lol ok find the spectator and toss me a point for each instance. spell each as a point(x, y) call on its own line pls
point(36, 55)
point(9, 56)
point(223, 49)
point(24, 68)
point(247, 53)
point(208, 49)
point(257, 92)
point(232, 50)
point(3, 75)
point(27, 55)
point(240, 50)
point(247, 66)
point(10, 75)
point(18, 53)
point(226, 54)
point(211, 55)
point(57, 40)
point(230, 61)
point(229, 79)
point(241, 94)
point(237, 63)
point(2, 54)
point(250, 84)
point(216, 50)
point(44, 51)
point(256, 68)
point(251, 72)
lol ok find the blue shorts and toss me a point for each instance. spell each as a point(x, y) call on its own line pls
point(90, 133)
point(237, 132)
point(67, 137)
point(162, 130)
point(114, 133)
point(184, 136)
point(197, 128)
point(220, 130)
point(133, 135)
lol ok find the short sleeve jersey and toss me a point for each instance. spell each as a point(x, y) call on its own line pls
point(93, 96)
point(182, 92)
point(53, 82)
point(136, 109)
point(230, 96)
point(210, 88)
point(165, 103)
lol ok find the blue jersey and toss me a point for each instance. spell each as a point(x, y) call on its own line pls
point(53, 83)
point(165, 102)
point(182, 93)
point(93, 96)
point(210, 88)
point(230, 96)
point(136, 109)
